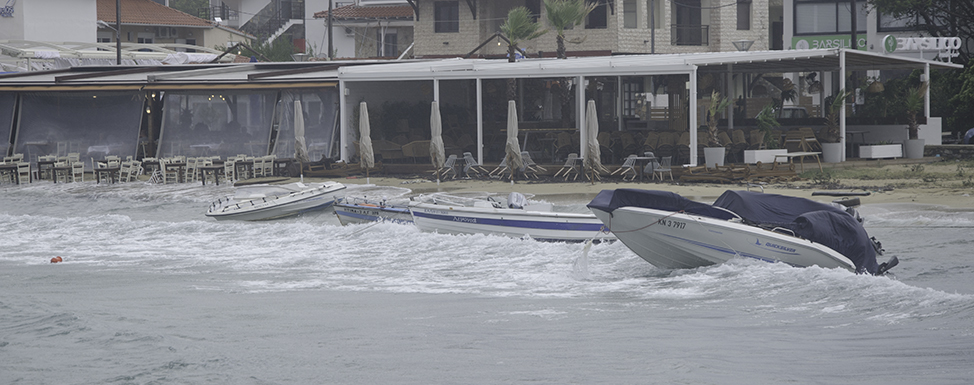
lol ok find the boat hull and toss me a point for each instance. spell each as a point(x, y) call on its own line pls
point(679, 240)
point(516, 223)
point(275, 207)
point(364, 213)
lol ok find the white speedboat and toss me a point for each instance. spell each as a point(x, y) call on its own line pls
point(516, 219)
point(270, 201)
point(670, 231)
point(361, 210)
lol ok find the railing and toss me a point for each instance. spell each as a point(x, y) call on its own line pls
point(273, 16)
point(685, 34)
point(222, 11)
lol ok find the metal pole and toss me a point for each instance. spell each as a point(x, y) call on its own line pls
point(118, 32)
point(330, 32)
point(652, 26)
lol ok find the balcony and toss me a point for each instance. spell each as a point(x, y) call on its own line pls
point(687, 34)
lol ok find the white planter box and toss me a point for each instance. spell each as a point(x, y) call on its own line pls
point(881, 151)
point(763, 156)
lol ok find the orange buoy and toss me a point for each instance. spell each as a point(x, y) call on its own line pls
point(56, 260)
point(59, 259)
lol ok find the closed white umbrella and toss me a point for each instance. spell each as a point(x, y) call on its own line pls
point(513, 148)
point(300, 147)
point(593, 157)
point(437, 153)
point(366, 156)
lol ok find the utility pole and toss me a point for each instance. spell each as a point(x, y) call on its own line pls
point(118, 32)
point(330, 33)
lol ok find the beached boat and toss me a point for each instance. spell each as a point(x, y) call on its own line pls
point(670, 231)
point(515, 218)
point(361, 210)
point(270, 201)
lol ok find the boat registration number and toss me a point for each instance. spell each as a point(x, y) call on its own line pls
point(673, 224)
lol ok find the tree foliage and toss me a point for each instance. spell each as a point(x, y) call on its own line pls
point(939, 18)
point(191, 7)
point(564, 14)
point(518, 27)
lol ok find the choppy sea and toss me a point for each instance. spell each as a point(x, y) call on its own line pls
point(152, 292)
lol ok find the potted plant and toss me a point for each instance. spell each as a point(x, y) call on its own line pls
point(766, 123)
point(831, 145)
point(715, 150)
point(914, 102)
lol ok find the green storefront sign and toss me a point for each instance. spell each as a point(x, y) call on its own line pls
point(827, 42)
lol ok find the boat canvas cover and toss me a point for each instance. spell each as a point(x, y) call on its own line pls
point(609, 200)
point(818, 222)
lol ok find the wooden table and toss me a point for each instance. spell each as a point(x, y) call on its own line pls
point(45, 167)
point(801, 158)
point(57, 171)
point(110, 173)
point(216, 170)
point(282, 165)
point(180, 171)
point(243, 168)
point(11, 169)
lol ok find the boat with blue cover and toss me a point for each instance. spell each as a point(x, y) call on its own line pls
point(362, 210)
point(673, 232)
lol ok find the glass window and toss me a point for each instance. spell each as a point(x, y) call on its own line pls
point(446, 16)
point(828, 17)
point(891, 23)
point(743, 14)
point(630, 14)
point(654, 17)
point(598, 18)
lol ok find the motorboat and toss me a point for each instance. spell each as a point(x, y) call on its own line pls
point(361, 210)
point(673, 232)
point(259, 202)
point(516, 218)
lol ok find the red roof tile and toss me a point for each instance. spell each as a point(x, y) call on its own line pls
point(149, 13)
point(356, 12)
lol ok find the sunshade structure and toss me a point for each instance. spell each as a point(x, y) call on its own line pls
point(300, 146)
point(513, 148)
point(29, 55)
point(437, 152)
point(366, 155)
point(593, 157)
point(672, 82)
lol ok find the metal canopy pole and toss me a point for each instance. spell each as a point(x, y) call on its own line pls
point(842, 110)
point(480, 121)
point(693, 116)
point(118, 32)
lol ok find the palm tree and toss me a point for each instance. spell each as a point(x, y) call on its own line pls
point(518, 27)
point(563, 14)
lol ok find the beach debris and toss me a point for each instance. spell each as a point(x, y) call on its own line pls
point(56, 259)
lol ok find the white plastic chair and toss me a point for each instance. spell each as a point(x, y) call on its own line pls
point(571, 166)
point(628, 166)
point(664, 167)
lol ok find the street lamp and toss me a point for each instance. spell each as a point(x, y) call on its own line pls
point(118, 41)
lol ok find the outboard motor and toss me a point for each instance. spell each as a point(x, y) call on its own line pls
point(516, 200)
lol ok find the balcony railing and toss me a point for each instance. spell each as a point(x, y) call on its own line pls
point(222, 11)
point(684, 34)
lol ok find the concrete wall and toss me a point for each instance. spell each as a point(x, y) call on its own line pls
point(54, 21)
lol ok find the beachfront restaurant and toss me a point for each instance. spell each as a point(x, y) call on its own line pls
point(643, 103)
point(90, 114)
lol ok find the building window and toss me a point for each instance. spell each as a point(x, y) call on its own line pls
point(743, 15)
point(388, 45)
point(654, 15)
point(598, 18)
point(828, 17)
point(631, 89)
point(688, 27)
point(630, 15)
point(446, 16)
point(190, 42)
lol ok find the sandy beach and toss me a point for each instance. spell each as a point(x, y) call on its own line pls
point(943, 183)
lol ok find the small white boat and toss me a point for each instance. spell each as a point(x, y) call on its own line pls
point(266, 201)
point(672, 232)
point(361, 210)
point(516, 219)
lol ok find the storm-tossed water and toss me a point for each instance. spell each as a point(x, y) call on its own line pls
point(152, 291)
